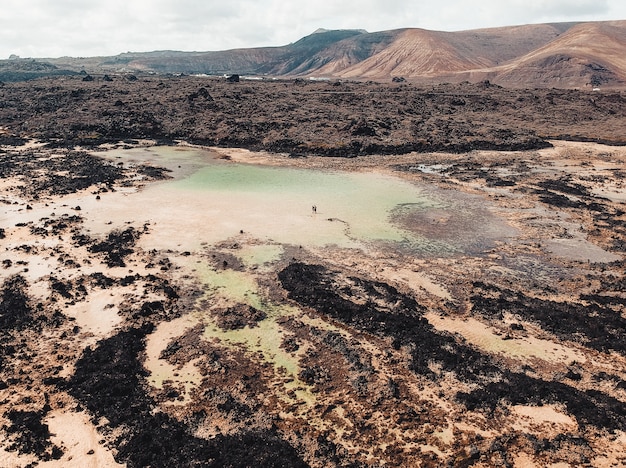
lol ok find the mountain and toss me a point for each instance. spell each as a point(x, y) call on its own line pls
point(561, 55)
point(588, 53)
point(423, 53)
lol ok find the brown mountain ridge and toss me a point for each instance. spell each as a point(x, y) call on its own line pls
point(560, 55)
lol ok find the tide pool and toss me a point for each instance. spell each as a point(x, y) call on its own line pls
point(211, 200)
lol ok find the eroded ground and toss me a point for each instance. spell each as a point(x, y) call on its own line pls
point(505, 349)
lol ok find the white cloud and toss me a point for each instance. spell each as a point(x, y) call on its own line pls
point(46, 28)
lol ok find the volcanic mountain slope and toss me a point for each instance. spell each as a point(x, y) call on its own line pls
point(564, 55)
point(419, 52)
point(561, 55)
point(587, 54)
point(337, 56)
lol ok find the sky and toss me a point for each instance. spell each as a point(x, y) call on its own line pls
point(82, 28)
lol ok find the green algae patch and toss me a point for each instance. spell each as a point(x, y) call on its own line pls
point(264, 338)
point(234, 286)
point(260, 255)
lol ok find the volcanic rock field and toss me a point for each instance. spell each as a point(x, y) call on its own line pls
point(155, 314)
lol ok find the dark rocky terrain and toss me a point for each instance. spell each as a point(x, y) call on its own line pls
point(306, 118)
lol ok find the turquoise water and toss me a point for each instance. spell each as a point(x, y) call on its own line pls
point(211, 200)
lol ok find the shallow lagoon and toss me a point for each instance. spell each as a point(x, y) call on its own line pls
point(211, 200)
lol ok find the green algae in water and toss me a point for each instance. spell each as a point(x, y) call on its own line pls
point(266, 337)
point(259, 255)
point(234, 285)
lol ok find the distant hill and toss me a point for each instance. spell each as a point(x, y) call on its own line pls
point(17, 69)
point(586, 54)
point(561, 55)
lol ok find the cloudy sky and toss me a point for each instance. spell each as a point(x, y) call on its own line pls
point(53, 28)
